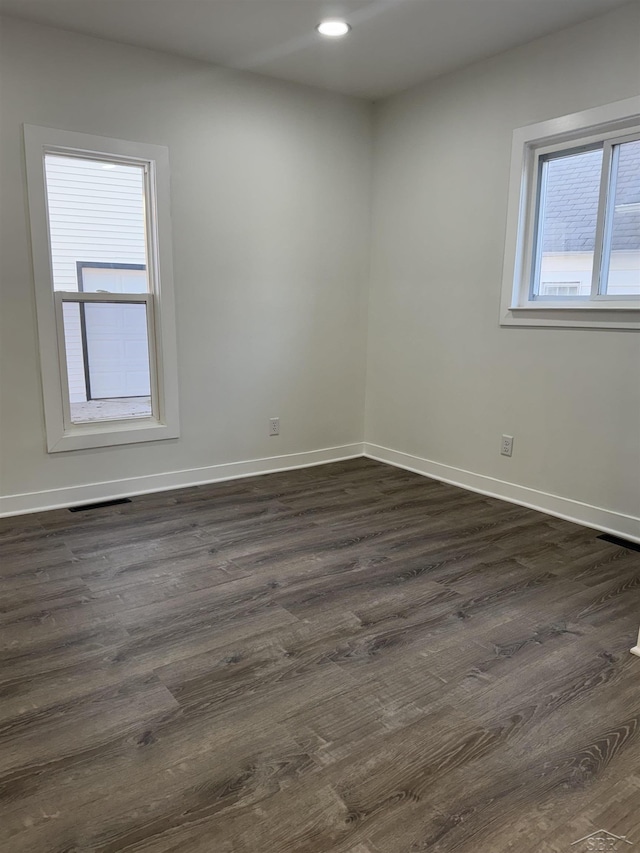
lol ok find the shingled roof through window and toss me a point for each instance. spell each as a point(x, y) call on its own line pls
point(571, 202)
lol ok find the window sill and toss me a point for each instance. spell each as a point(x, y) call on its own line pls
point(591, 316)
point(88, 436)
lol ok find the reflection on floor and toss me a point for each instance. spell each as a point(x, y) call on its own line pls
point(116, 408)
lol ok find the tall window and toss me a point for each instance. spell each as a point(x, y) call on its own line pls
point(573, 251)
point(99, 218)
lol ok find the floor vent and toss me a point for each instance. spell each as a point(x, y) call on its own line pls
point(86, 507)
point(623, 543)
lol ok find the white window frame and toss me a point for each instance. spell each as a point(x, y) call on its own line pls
point(609, 124)
point(163, 423)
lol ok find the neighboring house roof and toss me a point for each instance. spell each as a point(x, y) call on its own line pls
point(571, 203)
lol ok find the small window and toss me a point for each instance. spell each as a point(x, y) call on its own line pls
point(573, 243)
point(101, 245)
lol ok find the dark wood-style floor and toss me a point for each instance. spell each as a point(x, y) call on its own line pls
point(348, 658)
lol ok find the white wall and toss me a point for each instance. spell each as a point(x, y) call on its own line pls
point(444, 380)
point(270, 206)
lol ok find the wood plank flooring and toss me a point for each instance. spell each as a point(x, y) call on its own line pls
point(343, 659)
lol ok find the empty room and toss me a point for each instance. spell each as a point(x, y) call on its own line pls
point(319, 426)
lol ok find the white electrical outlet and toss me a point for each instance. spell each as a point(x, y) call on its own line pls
point(274, 426)
point(506, 448)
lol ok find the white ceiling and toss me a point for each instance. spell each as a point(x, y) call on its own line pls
point(393, 43)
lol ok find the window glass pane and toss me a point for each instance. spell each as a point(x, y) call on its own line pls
point(113, 278)
point(107, 361)
point(567, 216)
point(96, 224)
point(621, 256)
point(568, 289)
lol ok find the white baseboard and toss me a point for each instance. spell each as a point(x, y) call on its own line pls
point(616, 523)
point(114, 489)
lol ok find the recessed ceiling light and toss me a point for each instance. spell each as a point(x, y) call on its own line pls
point(334, 29)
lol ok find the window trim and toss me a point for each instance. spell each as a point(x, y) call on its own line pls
point(61, 434)
point(529, 143)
